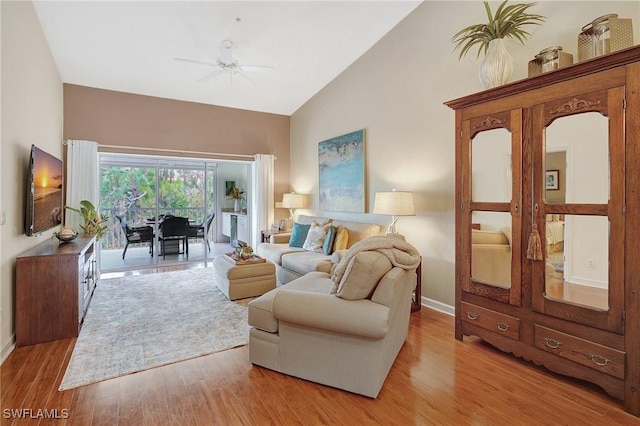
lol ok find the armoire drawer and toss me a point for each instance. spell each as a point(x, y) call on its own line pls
point(590, 354)
point(491, 320)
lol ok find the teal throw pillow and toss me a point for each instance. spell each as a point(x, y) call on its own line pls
point(298, 235)
point(327, 247)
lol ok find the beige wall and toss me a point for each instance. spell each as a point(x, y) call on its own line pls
point(557, 160)
point(129, 120)
point(31, 113)
point(396, 92)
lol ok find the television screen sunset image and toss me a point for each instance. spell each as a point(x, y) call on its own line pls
point(47, 191)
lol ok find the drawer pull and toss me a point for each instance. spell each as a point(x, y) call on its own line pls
point(502, 326)
point(599, 360)
point(472, 315)
point(552, 343)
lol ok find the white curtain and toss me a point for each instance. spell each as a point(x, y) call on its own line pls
point(263, 198)
point(82, 178)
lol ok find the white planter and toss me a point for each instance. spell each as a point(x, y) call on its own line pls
point(497, 67)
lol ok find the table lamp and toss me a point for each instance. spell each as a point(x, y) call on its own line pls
point(292, 201)
point(394, 203)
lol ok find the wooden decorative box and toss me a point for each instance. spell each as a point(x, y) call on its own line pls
point(233, 258)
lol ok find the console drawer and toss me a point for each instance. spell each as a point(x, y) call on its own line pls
point(502, 324)
point(590, 354)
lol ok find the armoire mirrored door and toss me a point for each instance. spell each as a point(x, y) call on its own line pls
point(491, 227)
point(578, 206)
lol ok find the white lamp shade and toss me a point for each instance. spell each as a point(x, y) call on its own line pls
point(292, 201)
point(395, 203)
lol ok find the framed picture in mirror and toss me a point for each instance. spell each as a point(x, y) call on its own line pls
point(551, 180)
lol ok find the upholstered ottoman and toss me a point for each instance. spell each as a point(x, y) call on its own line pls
point(242, 281)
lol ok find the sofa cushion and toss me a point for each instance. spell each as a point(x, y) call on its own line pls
point(274, 252)
point(342, 239)
point(260, 310)
point(506, 230)
point(358, 231)
point(362, 275)
point(327, 313)
point(298, 235)
point(329, 239)
point(488, 237)
point(307, 261)
point(315, 236)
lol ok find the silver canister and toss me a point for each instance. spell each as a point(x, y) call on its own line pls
point(604, 35)
point(549, 59)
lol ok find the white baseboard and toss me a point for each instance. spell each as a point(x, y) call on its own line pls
point(438, 306)
point(7, 348)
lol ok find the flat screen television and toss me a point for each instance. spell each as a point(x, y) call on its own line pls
point(44, 192)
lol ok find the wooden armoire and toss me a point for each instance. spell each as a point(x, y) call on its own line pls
point(548, 221)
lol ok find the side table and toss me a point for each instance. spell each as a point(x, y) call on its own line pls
point(416, 302)
point(266, 235)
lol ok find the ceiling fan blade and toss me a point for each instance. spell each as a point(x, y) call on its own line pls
point(193, 61)
point(210, 76)
point(256, 68)
point(247, 78)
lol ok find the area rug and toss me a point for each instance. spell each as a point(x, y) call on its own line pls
point(557, 260)
point(139, 322)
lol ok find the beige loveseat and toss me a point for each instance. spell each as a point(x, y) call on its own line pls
point(294, 262)
point(300, 329)
point(491, 257)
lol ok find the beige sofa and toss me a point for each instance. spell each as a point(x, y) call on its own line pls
point(300, 329)
point(293, 262)
point(491, 257)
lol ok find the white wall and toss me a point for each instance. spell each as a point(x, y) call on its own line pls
point(396, 92)
point(31, 113)
point(236, 172)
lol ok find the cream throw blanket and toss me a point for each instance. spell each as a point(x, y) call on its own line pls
point(399, 252)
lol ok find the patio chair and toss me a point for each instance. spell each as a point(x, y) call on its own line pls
point(202, 230)
point(174, 229)
point(135, 235)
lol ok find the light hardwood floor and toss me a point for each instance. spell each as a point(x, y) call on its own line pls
point(435, 380)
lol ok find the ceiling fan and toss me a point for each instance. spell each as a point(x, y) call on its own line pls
point(226, 63)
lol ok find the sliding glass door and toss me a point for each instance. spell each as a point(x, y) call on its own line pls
point(186, 189)
point(139, 193)
point(128, 197)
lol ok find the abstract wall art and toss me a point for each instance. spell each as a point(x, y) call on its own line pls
point(342, 174)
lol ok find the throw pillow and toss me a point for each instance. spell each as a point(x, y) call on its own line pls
point(315, 236)
point(329, 239)
point(298, 235)
point(342, 238)
point(363, 274)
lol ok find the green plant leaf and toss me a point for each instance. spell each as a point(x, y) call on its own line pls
point(94, 223)
point(507, 22)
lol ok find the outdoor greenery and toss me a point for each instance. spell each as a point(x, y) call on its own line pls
point(131, 192)
point(133, 189)
point(506, 23)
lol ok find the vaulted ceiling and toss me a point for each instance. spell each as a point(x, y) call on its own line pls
point(132, 46)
